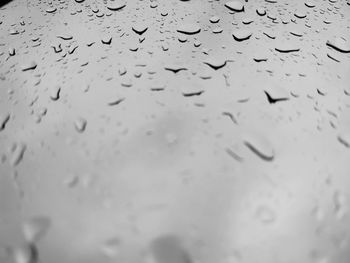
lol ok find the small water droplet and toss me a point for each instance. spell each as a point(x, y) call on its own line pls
point(260, 146)
point(36, 228)
point(18, 150)
point(4, 118)
point(80, 124)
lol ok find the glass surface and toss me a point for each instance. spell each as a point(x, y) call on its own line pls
point(174, 131)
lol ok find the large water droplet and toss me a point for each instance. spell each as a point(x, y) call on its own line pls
point(236, 6)
point(242, 34)
point(189, 29)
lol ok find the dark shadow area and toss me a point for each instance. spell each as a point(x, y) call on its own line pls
point(4, 2)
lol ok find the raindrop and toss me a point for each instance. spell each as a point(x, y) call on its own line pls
point(12, 51)
point(217, 30)
point(107, 40)
point(214, 19)
point(339, 44)
point(296, 33)
point(344, 138)
point(55, 92)
point(260, 146)
point(65, 37)
point(275, 94)
point(191, 93)
point(236, 6)
point(57, 48)
point(197, 43)
point(231, 116)
point(80, 124)
point(29, 66)
point(334, 56)
point(122, 71)
point(261, 11)
point(215, 63)
point(269, 35)
point(115, 6)
point(299, 14)
point(4, 118)
point(175, 69)
point(139, 29)
point(36, 228)
point(51, 10)
point(17, 153)
point(287, 48)
point(189, 29)
point(242, 34)
point(72, 49)
point(310, 3)
point(116, 101)
point(182, 39)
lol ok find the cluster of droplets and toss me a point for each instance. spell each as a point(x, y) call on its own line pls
point(252, 68)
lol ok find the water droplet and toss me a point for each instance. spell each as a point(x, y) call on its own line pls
point(310, 3)
point(55, 93)
point(215, 63)
point(214, 19)
point(287, 48)
point(260, 146)
point(51, 10)
point(190, 91)
point(80, 124)
point(107, 40)
point(18, 150)
point(276, 93)
point(261, 11)
point(217, 30)
point(116, 101)
point(339, 44)
point(296, 33)
point(65, 36)
point(12, 51)
point(189, 29)
point(139, 29)
point(29, 66)
point(4, 118)
point(344, 138)
point(35, 228)
point(116, 6)
point(235, 6)
point(300, 14)
point(175, 69)
point(241, 34)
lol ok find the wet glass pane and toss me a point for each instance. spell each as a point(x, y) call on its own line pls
point(174, 131)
